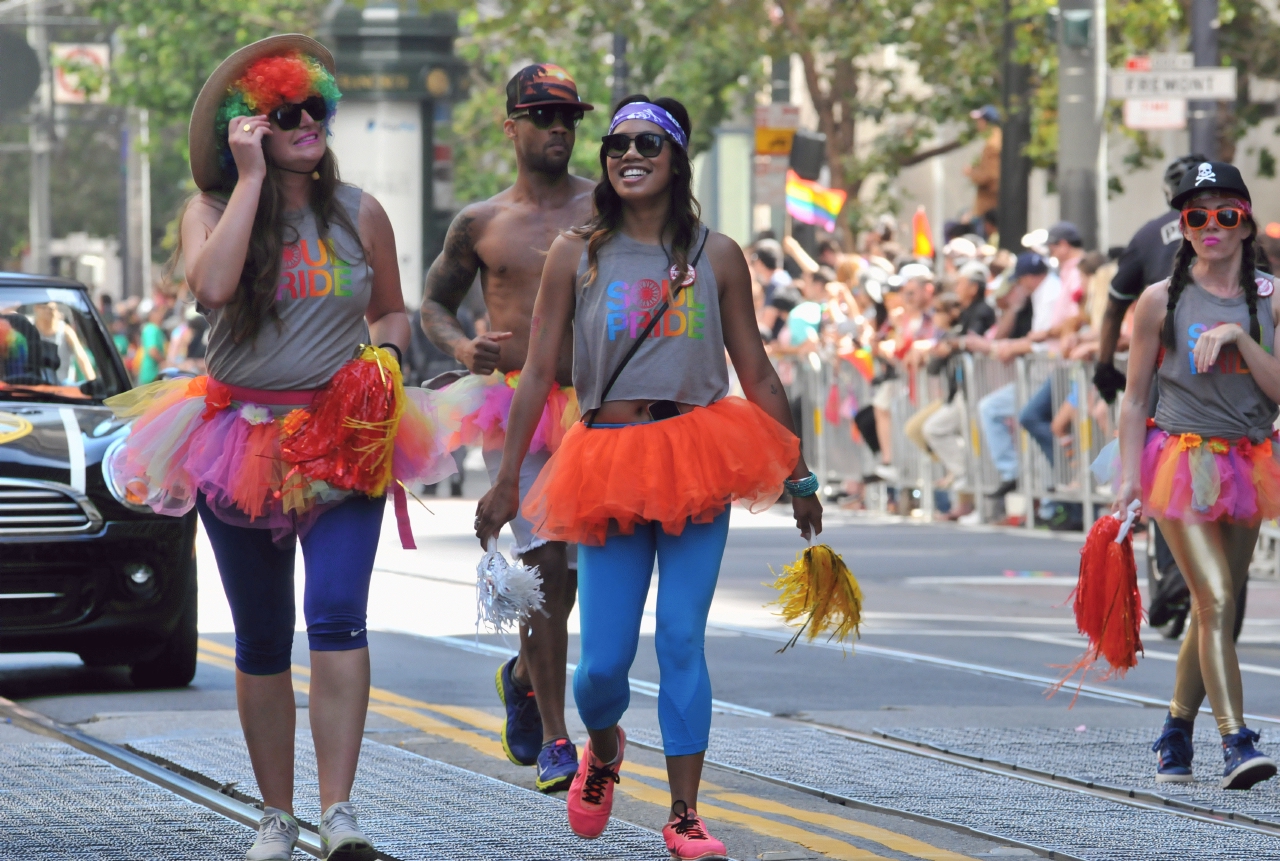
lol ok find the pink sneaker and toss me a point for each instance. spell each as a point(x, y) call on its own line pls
point(687, 838)
point(591, 793)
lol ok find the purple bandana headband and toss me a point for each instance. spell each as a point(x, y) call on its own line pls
point(654, 114)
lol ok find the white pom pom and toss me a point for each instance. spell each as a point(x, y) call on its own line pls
point(506, 594)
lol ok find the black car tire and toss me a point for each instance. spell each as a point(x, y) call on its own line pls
point(175, 665)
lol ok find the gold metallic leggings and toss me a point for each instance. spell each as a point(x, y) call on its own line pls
point(1214, 558)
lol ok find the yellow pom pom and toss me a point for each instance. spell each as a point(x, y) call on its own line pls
point(822, 589)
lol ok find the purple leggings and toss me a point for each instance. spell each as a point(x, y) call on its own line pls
point(257, 576)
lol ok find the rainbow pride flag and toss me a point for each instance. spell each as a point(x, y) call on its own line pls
point(810, 203)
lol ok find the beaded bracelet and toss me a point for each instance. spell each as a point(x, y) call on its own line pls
point(806, 486)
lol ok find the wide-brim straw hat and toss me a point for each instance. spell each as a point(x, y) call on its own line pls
point(206, 163)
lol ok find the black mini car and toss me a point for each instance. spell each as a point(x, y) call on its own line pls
point(81, 569)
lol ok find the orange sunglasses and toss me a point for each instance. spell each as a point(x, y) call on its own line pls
point(1227, 217)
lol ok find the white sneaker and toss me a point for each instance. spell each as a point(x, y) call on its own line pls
point(341, 838)
point(277, 835)
point(887, 472)
point(973, 518)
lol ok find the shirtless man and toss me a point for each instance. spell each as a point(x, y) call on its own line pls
point(505, 239)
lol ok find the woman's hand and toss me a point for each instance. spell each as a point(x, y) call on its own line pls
point(808, 514)
point(244, 136)
point(1209, 345)
point(1130, 490)
point(496, 508)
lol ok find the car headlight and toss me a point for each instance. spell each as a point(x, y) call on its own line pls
point(128, 497)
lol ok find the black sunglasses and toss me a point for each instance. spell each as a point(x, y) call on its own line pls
point(544, 116)
point(648, 144)
point(289, 117)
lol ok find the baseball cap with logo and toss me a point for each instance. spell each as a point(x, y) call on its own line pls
point(1211, 176)
point(543, 84)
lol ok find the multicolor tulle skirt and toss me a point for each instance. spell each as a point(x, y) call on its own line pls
point(1198, 479)
point(475, 409)
point(278, 469)
point(606, 480)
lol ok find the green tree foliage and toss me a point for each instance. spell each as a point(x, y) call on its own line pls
point(703, 52)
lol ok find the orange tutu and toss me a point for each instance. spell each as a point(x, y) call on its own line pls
point(605, 480)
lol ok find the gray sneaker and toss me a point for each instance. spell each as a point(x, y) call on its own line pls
point(340, 836)
point(277, 835)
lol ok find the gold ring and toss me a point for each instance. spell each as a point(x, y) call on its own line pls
point(247, 127)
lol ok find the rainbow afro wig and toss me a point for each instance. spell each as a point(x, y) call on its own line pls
point(266, 85)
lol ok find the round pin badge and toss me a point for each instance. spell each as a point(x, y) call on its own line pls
point(1265, 286)
point(688, 279)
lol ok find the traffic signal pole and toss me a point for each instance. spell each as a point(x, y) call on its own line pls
point(1015, 167)
point(1079, 117)
point(1202, 117)
point(39, 215)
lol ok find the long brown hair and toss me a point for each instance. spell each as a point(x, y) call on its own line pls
point(255, 297)
point(1181, 276)
point(684, 214)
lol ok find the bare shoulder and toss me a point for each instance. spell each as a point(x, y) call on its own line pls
point(566, 250)
point(1153, 301)
point(205, 209)
point(725, 256)
point(371, 211)
point(722, 248)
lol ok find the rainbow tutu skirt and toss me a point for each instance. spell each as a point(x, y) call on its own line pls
point(278, 469)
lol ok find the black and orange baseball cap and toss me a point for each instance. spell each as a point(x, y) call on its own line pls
point(543, 84)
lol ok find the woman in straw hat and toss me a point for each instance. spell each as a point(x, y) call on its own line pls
point(301, 425)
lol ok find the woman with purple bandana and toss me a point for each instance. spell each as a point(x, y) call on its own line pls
point(654, 299)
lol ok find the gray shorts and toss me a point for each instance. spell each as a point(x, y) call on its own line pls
point(522, 529)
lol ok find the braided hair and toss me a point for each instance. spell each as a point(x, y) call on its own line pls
point(1181, 276)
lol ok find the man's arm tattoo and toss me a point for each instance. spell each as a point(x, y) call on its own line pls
point(447, 283)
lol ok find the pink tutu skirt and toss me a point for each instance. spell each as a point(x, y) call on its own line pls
point(1200, 479)
point(475, 410)
point(259, 468)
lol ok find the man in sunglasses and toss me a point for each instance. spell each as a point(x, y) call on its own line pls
point(505, 240)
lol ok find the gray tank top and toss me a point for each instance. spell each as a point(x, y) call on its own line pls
point(1225, 401)
point(321, 297)
point(683, 360)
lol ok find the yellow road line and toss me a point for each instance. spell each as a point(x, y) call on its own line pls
point(463, 714)
point(889, 839)
point(406, 711)
point(828, 846)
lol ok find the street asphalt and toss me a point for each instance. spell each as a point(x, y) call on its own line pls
point(963, 630)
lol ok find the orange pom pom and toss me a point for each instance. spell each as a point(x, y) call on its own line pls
point(1108, 605)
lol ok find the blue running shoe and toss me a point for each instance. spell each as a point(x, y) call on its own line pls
point(557, 764)
point(522, 730)
point(1244, 765)
point(1174, 751)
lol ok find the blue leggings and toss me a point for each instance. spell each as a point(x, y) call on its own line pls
point(613, 582)
point(257, 575)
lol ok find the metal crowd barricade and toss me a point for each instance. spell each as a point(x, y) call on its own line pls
point(917, 470)
point(982, 375)
point(825, 392)
point(1068, 477)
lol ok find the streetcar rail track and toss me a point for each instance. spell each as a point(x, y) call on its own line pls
point(179, 784)
point(1121, 795)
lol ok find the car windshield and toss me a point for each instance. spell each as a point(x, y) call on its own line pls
point(52, 347)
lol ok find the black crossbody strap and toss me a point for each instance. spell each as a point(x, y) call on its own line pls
point(653, 321)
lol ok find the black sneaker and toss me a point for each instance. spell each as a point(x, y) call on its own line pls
point(1009, 485)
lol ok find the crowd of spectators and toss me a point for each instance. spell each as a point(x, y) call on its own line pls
point(156, 335)
point(891, 314)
